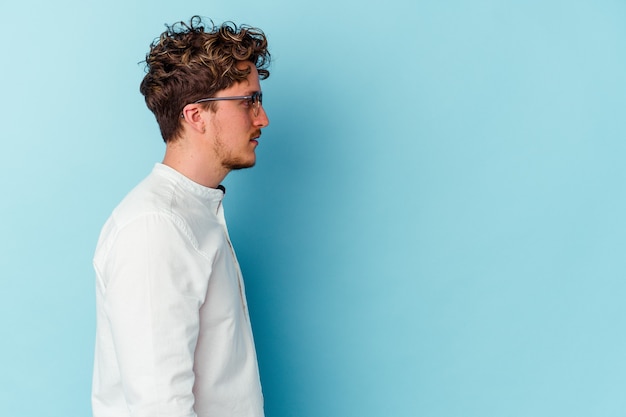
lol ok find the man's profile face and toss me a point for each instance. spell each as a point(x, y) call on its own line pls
point(234, 126)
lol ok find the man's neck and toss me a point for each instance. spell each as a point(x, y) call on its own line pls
point(193, 164)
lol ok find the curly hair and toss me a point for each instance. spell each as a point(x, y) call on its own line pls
point(192, 61)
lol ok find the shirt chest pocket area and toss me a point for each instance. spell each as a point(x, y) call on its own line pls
point(225, 299)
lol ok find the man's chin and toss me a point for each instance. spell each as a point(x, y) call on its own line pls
point(241, 165)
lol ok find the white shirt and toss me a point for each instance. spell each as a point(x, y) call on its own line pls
point(173, 333)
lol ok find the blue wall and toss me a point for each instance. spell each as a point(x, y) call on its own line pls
point(435, 226)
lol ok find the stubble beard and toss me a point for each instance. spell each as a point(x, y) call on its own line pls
point(228, 160)
point(234, 164)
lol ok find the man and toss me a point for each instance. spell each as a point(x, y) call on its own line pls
point(173, 333)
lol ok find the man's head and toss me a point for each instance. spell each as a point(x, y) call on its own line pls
point(190, 62)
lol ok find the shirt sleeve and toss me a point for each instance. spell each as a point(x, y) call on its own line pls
point(157, 282)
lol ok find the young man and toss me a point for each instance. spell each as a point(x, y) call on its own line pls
point(173, 333)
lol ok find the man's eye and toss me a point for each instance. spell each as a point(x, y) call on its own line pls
point(248, 102)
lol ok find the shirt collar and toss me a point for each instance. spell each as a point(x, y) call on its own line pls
point(207, 194)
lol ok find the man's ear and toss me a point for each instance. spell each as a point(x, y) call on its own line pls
point(192, 116)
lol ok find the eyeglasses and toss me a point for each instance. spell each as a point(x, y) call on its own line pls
point(255, 100)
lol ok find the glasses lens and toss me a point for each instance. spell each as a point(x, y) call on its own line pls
point(257, 101)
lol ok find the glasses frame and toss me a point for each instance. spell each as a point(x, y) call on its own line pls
point(256, 100)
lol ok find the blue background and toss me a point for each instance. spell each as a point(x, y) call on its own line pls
point(435, 226)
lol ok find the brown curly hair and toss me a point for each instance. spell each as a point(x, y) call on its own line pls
point(193, 61)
